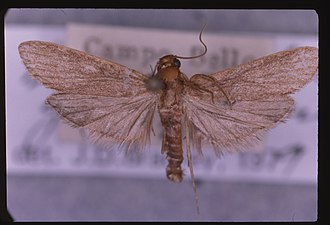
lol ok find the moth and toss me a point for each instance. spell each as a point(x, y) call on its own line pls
point(230, 109)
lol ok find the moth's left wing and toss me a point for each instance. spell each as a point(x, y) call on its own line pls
point(233, 128)
point(232, 108)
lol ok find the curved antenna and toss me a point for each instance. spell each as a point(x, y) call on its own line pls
point(197, 56)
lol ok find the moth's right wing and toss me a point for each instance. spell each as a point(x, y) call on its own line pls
point(126, 120)
point(68, 70)
point(107, 98)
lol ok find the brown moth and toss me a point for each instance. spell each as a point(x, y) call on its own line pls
point(230, 109)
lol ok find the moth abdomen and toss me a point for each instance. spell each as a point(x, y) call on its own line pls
point(172, 144)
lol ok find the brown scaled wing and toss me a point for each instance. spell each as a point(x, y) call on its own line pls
point(108, 99)
point(259, 96)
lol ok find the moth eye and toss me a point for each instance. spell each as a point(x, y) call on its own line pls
point(177, 63)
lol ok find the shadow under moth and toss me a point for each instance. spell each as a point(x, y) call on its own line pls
point(230, 109)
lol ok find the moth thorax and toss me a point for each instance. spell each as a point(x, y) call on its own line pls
point(169, 74)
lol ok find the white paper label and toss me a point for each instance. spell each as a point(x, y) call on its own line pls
point(39, 143)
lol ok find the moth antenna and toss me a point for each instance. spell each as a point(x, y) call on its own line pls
point(197, 56)
point(153, 70)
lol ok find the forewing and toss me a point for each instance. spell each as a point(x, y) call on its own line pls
point(108, 99)
point(258, 99)
point(72, 71)
point(277, 74)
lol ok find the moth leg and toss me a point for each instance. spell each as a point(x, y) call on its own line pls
point(199, 88)
point(190, 161)
point(225, 94)
point(153, 131)
point(214, 81)
point(211, 93)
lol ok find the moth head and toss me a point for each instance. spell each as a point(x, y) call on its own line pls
point(168, 60)
point(172, 60)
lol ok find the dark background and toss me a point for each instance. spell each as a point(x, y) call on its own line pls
point(64, 197)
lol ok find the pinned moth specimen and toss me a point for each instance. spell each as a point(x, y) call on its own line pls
point(230, 109)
